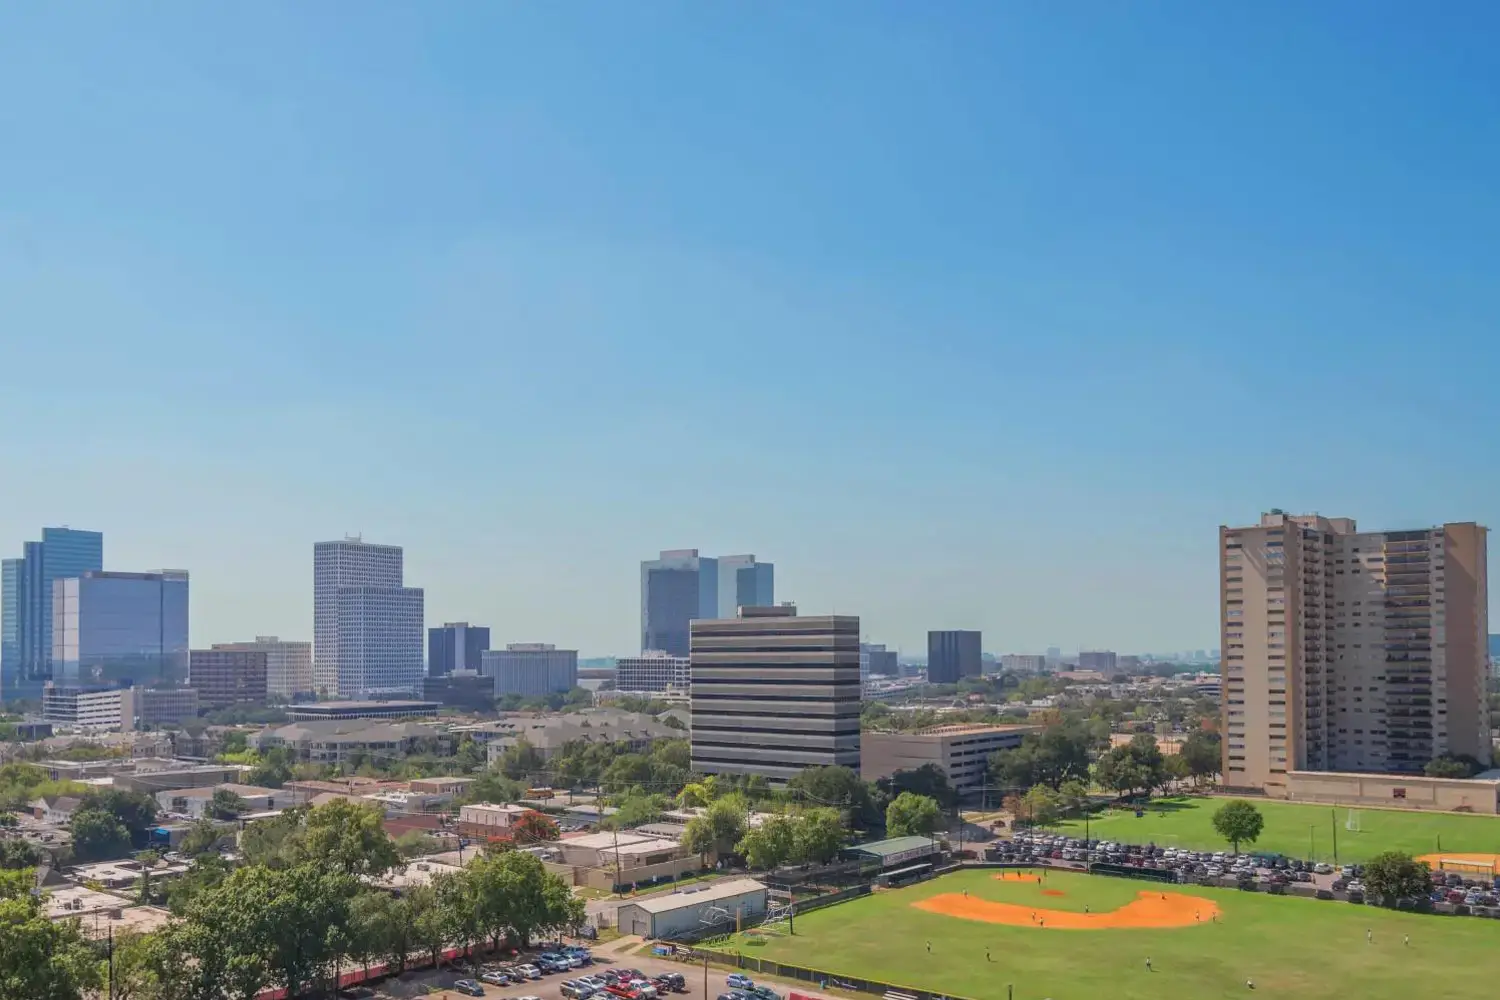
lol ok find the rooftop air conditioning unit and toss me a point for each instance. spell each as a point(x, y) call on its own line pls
point(424, 867)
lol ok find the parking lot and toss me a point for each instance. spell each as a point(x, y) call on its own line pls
point(549, 987)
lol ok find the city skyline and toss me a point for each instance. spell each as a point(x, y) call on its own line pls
point(931, 311)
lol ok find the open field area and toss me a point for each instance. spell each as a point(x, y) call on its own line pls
point(1297, 830)
point(1289, 947)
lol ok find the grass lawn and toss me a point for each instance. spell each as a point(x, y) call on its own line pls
point(1297, 830)
point(1290, 947)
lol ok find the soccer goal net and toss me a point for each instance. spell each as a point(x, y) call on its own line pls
point(1352, 823)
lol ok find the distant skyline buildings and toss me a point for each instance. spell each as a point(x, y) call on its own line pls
point(456, 646)
point(953, 655)
point(681, 585)
point(26, 587)
point(289, 673)
point(531, 669)
point(367, 625)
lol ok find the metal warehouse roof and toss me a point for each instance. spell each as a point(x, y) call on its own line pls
point(896, 845)
point(716, 890)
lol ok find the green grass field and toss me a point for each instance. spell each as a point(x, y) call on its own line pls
point(1296, 830)
point(1290, 947)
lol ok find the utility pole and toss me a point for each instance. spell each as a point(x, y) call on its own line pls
point(1333, 821)
point(705, 975)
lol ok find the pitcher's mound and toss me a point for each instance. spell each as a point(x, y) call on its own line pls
point(1053, 892)
point(1149, 910)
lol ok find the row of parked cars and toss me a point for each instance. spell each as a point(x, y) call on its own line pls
point(1036, 847)
point(742, 987)
point(626, 984)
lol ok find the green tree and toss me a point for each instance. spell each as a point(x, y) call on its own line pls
point(135, 811)
point(348, 836)
point(625, 772)
point(274, 769)
point(41, 959)
point(521, 761)
point(200, 838)
point(496, 788)
point(720, 827)
point(431, 926)
point(208, 871)
point(929, 780)
point(1238, 822)
point(1075, 796)
point(1043, 806)
point(1203, 752)
point(697, 794)
point(1119, 770)
point(1451, 766)
point(772, 843)
point(910, 814)
point(98, 835)
point(837, 788)
point(1049, 758)
point(820, 835)
point(139, 968)
point(416, 844)
point(15, 854)
point(226, 804)
point(1392, 876)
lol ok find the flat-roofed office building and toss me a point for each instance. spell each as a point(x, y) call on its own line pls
point(774, 692)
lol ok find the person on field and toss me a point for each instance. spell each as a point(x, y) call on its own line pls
point(1148, 963)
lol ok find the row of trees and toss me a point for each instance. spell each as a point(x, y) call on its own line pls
point(1073, 752)
point(300, 908)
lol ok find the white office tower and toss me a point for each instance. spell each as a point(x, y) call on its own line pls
point(367, 626)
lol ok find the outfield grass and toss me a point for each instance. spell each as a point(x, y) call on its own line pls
point(1290, 947)
point(1297, 830)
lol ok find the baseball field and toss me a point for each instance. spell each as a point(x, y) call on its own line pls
point(1297, 830)
point(1080, 937)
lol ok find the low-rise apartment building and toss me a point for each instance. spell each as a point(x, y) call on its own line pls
point(334, 741)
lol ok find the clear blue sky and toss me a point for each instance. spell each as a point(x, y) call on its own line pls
point(966, 315)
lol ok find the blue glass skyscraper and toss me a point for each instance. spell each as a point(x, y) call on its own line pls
point(26, 604)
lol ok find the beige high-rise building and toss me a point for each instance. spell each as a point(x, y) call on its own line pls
point(1350, 651)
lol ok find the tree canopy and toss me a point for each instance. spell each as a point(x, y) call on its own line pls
point(1238, 822)
point(910, 814)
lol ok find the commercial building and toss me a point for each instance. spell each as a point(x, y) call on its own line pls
point(617, 861)
point(877, 661)
point(952, 655)
point(744, 583)
point(774, 693)
point(548, 734)
point(676, 588)
point(653, 670)
point(1350, 651)
point(165, 706)
point(962, 751)
point(485, 820)
point(289, 672)
point(367, 625)
point(120, 629)
point(98, 709)
point(224, 677)
point(1024, 663)
point(455, 647)
point(26, 586)
point(732, 902)
point(194, 802)
point(461, 689)
point(1105, 661)
point(531, 669)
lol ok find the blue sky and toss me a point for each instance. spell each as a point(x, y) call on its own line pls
point(965, 315)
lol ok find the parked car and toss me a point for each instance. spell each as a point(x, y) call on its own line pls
point(469, 987)
point(739, 980)
point(494, 978)
point(529, 971)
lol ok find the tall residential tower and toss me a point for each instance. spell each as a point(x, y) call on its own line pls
point(1350, 651)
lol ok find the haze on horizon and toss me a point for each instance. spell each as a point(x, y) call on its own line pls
point(965, 316)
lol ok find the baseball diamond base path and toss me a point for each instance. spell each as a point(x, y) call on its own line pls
point(1149, 910)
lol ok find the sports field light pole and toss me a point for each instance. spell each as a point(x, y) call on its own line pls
point(1312, 843)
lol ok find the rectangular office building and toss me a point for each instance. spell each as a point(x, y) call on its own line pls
point(531, 669)
point(367, 625)
point(225, 677)
point(120, 630)
point(26, 586)
point(456, 646)
point(653, 670)
point(289, 672)
point(953, 655)
point(1350, 651)
point(774, 693)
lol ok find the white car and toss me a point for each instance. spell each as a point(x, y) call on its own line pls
point(529, 971)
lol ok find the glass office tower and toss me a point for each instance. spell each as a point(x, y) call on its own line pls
point(120, 630)
point(26, 604)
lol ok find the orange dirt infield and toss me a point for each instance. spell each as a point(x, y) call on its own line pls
point(1053, 892)
point(1492, 861)
point(1018, 877)
point(1149, 910)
